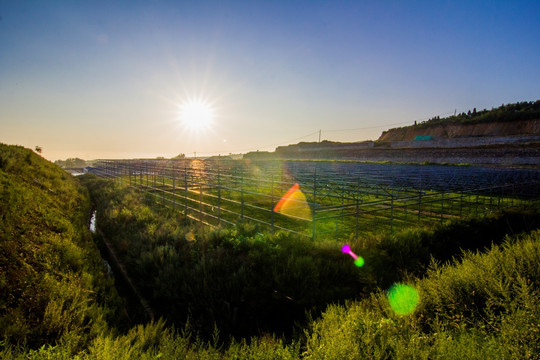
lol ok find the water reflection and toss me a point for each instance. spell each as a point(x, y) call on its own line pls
point(92, 226)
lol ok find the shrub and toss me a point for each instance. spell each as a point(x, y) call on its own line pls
point(485, 306)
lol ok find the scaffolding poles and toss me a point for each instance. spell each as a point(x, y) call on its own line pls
point(345, 199)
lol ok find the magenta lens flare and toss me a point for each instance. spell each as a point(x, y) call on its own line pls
point(358, 260)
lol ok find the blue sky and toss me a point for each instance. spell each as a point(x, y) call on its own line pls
point(106, 79)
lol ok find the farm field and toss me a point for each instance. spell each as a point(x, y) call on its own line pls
point(246, 280)
point(344, 199)
point(245, 293)
point(269, 180)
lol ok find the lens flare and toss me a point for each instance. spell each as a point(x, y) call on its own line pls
point(358, 260)
point(403, 298)
point(294, 204)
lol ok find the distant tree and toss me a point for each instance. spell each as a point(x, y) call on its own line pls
point(78, 163)
point(180, 156)
point(71, 163)
point(39, 149)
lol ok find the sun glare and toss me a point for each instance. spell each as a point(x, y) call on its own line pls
point(196, 115)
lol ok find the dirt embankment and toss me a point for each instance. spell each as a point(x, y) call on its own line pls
point(500, 155)
point(508, 128)
point(515, 142)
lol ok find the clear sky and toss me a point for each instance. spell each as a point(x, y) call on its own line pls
point(108, 79)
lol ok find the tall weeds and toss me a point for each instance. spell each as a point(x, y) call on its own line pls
point(237, 293)
point(484, 306)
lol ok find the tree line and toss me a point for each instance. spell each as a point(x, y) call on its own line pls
point(510, 112)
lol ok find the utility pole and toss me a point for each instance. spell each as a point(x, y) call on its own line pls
point(319, 135)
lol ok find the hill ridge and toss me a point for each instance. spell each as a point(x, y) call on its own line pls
point(522, 118)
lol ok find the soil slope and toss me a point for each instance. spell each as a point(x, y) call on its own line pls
point(507, 128)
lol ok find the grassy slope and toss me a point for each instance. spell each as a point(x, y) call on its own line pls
point(51, 276)
point(486, 306)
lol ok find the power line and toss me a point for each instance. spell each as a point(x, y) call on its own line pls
point(287, 142)
point(265, 146)
point(290, 141)
point(366, 128)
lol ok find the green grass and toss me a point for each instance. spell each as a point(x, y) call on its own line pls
point(228, 266)
point(52, 284)
point(484, 306)
point(233, 200)
point(231, 289)
point(244, 280)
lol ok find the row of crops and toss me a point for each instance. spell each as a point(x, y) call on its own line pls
point(343, 199)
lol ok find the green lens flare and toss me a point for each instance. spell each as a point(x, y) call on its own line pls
point(403, 298)
point(359, 262)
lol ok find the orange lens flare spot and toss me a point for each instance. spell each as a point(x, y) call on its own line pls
point(294, 204)
point(285, 197)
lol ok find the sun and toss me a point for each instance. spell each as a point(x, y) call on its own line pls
point(196, 115)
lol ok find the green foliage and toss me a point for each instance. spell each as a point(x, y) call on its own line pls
point(71, 163)
point(504, 113)
point(156, 341)
point(411, 251)
point(486, 306)
point(479, 288)
point(244, 281)
point(51, 276)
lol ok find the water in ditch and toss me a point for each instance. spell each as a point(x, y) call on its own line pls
point(92, 228)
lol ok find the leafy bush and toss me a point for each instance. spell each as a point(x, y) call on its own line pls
point(241, 280)
point(486, 306)
point(411, 251)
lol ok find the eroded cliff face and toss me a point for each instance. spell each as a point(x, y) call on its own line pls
point(510, 128)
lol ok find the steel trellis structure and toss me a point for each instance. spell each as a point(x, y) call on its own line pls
point(347, 199)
